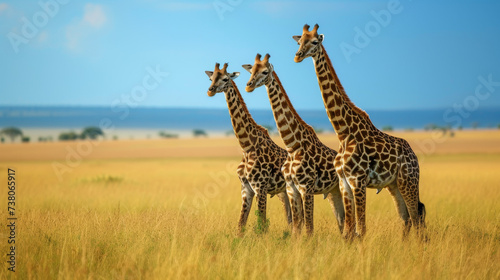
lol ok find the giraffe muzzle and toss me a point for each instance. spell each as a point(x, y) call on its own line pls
point(211, 91)
point(249, 87)
point(299, 57)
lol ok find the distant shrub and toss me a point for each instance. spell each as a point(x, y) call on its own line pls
point(25, 139)
point(318, 130)
point(269, 128)
point(103, 179)
point(91, 132)
point(68, 136)
point(387, 128)
point(44, 139)
point(431, 126)
point(115, 137)
point(199, 133)
point(164, 134)
point(474, 125)
point(106, 179)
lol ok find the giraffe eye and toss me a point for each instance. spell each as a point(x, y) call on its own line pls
point(314, 42)
point(265, 72)
point(225, 79)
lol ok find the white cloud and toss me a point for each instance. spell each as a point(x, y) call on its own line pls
point(94, 18)
point(3, 7)
point(43, 37)
point(94, 15)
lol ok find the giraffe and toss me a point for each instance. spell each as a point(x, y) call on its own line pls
point(309, 168)
point(259, 170)
point(368, 157)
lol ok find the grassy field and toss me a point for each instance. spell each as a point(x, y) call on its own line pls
point(168, 209)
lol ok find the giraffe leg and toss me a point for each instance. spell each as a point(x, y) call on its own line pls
point(408, 186)
point(261, 198)
point(308, 200)
point(400, 207)
point(286, 206)
point(348, 198)
point(360, 209)
point(335, 199)
point(296, 207)
point(411, 203)
point(247, 195)
point(306, 186)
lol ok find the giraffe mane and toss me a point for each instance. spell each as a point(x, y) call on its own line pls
point(244, 107)
point(341, 89)
point(292, 109)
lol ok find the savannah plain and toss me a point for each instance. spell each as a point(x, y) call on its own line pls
point(168, 209)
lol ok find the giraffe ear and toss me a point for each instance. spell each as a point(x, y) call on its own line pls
point(247, 67)
point(233, 75)
point(321, 37)
point(296, 38)
point(271, 68)
point(209, 74)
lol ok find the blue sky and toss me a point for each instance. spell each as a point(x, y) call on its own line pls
point(430, 54)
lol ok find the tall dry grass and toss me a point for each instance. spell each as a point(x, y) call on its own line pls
point(177, 217)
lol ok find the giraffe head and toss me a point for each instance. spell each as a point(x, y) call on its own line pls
point(261, 72)
point(309, 42)
point(220, 78)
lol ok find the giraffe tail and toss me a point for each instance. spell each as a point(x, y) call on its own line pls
point(421, 213)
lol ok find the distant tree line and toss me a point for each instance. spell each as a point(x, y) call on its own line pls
point(90, 132)
point(13, 133)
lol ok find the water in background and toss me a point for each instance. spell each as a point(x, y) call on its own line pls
point(218, 119)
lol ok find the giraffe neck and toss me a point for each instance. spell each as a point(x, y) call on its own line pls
point(245, 128)
point(345, 117)
point(291, 127)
